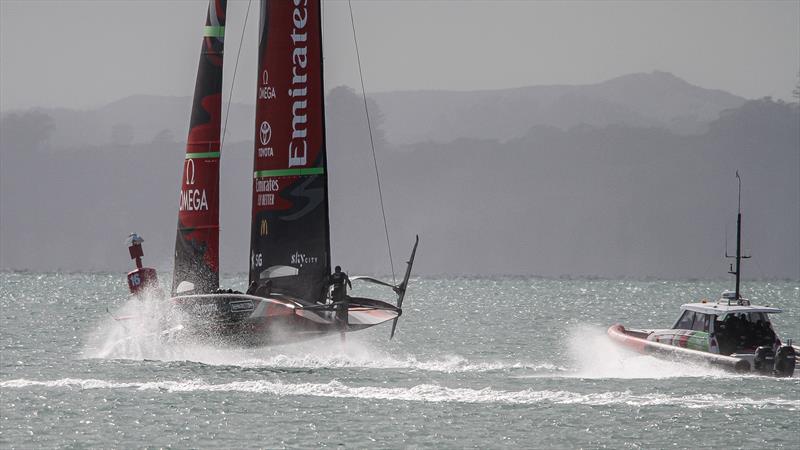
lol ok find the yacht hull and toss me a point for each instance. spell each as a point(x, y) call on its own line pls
point(253, 321)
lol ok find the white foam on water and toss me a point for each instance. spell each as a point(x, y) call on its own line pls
point(421, 393)
point(139, 337)
point(363, 356)
point(132, 332)
point(595, 355)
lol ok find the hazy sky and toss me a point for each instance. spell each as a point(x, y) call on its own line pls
point(81, 54)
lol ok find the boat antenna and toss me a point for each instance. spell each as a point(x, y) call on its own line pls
point(738, 256)
point(233, 78)
point(371, 141)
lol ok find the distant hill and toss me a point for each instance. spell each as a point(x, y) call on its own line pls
point(138, 119)
point(614, 200)
point(630, 197)
point(609, 201)
point(657, 99)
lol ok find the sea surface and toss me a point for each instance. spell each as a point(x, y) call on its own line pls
point(477, 362)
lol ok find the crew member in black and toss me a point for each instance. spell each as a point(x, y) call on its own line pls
point(251, 290)
point(338, 279)
point(262, 291)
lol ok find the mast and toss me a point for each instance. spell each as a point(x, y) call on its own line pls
point(739, 257)
point(197, 239)
point(290, 221)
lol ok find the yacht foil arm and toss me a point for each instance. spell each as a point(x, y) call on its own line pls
point(400, 289)
point(374, 281)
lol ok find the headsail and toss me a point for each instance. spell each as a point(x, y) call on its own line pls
point(290, 200)
point(197, 240)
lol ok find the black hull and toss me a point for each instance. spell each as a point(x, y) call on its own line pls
point(250, 321)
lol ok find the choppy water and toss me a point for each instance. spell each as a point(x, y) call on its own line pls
point(520, 362)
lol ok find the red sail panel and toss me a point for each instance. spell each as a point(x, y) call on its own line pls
point(290, 201)
point(197, 240)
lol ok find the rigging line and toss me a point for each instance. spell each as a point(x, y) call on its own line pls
point(761, 272)
point(371, 141)
point(233, 79)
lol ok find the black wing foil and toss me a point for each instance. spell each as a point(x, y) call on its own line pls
point(290, 224)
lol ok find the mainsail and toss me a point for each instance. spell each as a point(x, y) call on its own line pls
point(197, 241)
point(290, 228)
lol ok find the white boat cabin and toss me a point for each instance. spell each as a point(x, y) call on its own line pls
point(727, 326)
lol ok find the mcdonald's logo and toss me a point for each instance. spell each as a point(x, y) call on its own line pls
point(264, 229)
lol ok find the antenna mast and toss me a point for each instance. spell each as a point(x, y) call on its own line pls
point(738, 256)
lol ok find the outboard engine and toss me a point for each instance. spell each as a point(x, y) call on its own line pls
point(764, 360)
point(143, 278)
point(785, 359)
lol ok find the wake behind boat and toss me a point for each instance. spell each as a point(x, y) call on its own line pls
point(731, 333)
point(288, 298)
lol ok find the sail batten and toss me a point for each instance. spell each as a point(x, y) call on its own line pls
point(290, 225)
point(197, 239)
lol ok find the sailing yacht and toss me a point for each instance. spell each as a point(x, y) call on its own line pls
point(290, 246)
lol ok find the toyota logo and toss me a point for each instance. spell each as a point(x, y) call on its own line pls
point(266, 132)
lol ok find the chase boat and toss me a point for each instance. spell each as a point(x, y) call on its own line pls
point(731, 332)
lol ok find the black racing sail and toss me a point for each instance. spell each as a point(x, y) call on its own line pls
point(197, 240)
point(290, 237)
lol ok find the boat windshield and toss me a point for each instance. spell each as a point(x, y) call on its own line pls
point(691, 320)
point(747, 320)
point(744, 331)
